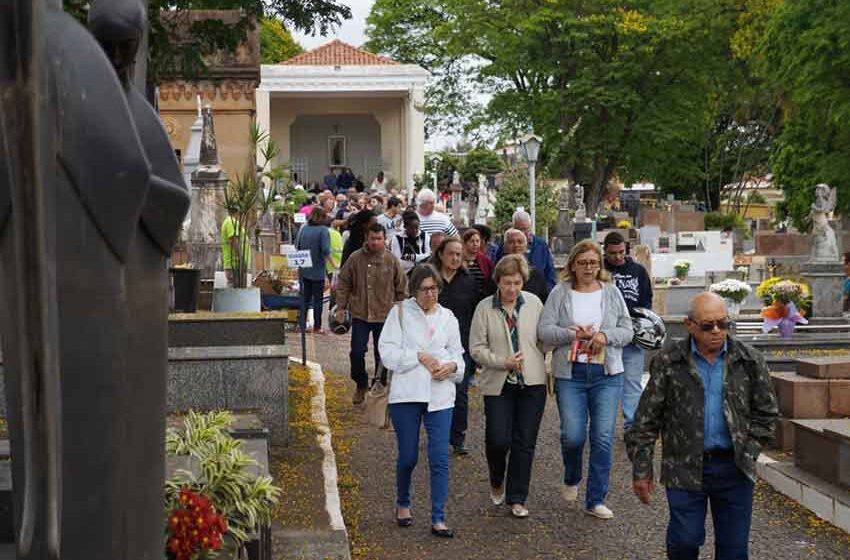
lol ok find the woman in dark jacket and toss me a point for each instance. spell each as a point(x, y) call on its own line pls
point(460, 295)
point(477, 263)
point(358, 224)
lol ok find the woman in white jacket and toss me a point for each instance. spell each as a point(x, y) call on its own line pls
point(420, 344)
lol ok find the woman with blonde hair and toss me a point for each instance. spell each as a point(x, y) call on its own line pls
point(587, 322)
point(503, 339)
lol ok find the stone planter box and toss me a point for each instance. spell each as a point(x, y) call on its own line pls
point(226, 329)
point(239, 378)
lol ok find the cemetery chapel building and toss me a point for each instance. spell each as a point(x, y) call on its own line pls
point(338, 106)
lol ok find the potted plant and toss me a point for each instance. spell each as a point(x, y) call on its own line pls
point(220, 498)
point(682, 266)
point(734, 292)
point(248, 197)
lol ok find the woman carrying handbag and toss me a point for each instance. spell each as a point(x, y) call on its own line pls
point(426, 357)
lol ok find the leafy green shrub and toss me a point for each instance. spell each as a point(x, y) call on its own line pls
point(724, 220)
point(514, 192)
point(246, 501)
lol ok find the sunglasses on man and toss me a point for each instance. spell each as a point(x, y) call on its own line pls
point(708, 326)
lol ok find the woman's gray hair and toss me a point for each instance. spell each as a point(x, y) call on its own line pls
point(421, 273)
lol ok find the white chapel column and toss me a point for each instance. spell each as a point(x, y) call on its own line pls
point(416, 134)
point(263, 112)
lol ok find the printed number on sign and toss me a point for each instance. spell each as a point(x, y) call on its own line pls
point(299, 259)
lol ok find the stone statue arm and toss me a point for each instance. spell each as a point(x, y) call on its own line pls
point(167, 200)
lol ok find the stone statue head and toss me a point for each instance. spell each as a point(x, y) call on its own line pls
point(118, 25)
point(825, 199)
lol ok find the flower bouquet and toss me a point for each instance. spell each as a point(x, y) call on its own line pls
point(682, 266)
point(785, 301)
point(734, 291)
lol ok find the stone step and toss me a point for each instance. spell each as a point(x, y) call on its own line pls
point(824, 367)
point(784, 438)
point(839, 397)
point(822, 447)
point(801, 397)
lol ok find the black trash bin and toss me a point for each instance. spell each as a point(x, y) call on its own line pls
point(187, 287)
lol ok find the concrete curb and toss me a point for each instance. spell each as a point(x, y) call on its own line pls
point(334, 543)
point(827, 501)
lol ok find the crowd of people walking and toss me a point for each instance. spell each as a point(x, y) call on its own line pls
point(445, 309)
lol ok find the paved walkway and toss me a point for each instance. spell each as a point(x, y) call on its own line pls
point(781, 529)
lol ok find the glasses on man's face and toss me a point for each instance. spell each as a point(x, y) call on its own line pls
point(708, 326)
point(587, 264)
point(429, 289)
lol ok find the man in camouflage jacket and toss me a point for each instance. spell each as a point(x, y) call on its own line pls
point(711, 399)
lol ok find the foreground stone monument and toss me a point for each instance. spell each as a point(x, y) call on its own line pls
point(824, 271)
point(89, 208)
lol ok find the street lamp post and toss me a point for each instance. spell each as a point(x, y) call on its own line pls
point(530, 144)
point(435, 165)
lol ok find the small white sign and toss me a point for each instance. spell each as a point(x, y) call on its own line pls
point(299, 259)
point(300, 218)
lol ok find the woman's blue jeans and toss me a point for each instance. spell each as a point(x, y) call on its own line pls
point(407, 419)
point(588, 394)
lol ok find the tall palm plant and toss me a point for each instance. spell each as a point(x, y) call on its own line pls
point(250, 194)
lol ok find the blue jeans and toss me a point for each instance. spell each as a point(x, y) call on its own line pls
point(407, 419)
point(588, 393)
point(360, 331)
point(731, 495)
point(633, 367)
point(312, 295)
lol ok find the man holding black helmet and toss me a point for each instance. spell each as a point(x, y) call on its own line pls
point(634, 283)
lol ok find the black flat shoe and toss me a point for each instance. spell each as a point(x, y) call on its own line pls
point(403, 521)
point(442, 533)
point(460, 450)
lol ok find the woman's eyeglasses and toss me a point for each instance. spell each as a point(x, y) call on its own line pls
point(587, 264)
point(429, 289)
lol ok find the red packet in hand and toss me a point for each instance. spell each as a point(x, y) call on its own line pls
point(580, 352)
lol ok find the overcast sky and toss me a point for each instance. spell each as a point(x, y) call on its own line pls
point(351, 31)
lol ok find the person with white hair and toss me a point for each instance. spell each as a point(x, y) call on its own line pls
point(430, 220)
point(538, 254)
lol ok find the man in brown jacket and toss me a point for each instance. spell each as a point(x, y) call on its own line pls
point(369, 283)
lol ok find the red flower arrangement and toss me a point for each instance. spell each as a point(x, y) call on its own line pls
point(194, 527)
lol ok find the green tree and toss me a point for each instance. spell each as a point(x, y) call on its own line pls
point(514, 192)
point(806, 55)
point(602, 81)
point(480, 161)
point(178, 46)
point(276, 42)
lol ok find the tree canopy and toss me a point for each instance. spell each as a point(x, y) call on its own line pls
point(178, 45)
point(276, 42)
point(697, 96)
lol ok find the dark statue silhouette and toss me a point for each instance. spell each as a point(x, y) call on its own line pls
point(91, 200)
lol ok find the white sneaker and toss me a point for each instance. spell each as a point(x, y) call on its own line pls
point(600, 511)
point(569, 493)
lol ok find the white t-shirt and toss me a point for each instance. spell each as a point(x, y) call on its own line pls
point(587, 308)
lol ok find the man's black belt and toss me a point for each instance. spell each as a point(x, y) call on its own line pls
point(710, 454)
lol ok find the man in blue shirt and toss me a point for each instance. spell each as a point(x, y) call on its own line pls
point(538, 255)
point(711, 400)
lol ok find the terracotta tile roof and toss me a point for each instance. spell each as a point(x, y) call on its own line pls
point(337, 53)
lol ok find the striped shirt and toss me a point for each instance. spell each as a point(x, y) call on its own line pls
point(436, 222)
point(476, 273)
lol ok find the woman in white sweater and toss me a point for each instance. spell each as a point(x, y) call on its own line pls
point(420, 344)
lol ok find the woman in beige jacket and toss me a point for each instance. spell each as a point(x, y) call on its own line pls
point(503, 339)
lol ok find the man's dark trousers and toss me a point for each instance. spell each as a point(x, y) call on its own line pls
point(460, 416)
point(360, 331)
point(730, 493)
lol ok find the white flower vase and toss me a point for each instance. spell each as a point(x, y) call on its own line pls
point(734, 308)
